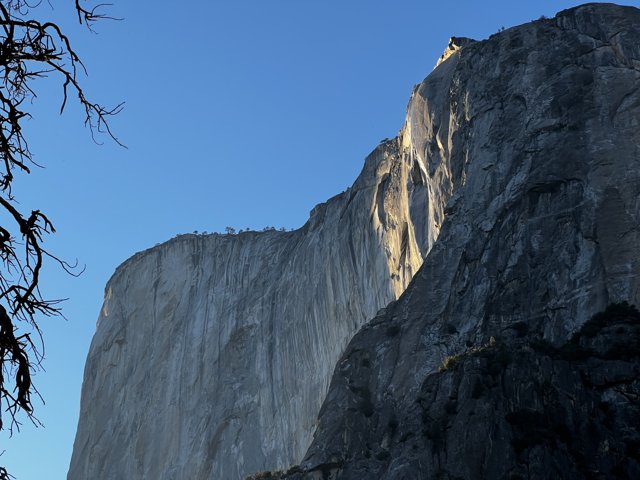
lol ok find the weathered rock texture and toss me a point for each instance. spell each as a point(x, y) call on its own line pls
point(515, 410)
point(210, 350)
point(541, 129)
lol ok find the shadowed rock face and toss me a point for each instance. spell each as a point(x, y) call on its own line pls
point(513, 410)
point(542, 124)
point(210, 350)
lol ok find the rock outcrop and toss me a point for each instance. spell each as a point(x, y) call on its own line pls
point(212, 349)
point(473, 372)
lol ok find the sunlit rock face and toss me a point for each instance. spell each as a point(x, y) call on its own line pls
point(213, 353)
point(488, 365)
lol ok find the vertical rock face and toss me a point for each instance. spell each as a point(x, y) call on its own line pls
point(483, 368)
point(517, 175)
point(213, 353)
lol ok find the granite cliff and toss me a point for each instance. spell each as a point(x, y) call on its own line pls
point(211, 349)
point(512, 190)
point(514, 352)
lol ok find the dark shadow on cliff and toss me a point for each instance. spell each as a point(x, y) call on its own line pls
point(515, 410)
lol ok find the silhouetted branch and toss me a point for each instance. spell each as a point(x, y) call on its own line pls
point(4, 475)
point(31, 49)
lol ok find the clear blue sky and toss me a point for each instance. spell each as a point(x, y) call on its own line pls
point(240, 113)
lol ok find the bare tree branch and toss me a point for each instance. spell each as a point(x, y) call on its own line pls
point(31, 49)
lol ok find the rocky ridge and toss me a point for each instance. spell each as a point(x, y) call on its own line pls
point(488, 366)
